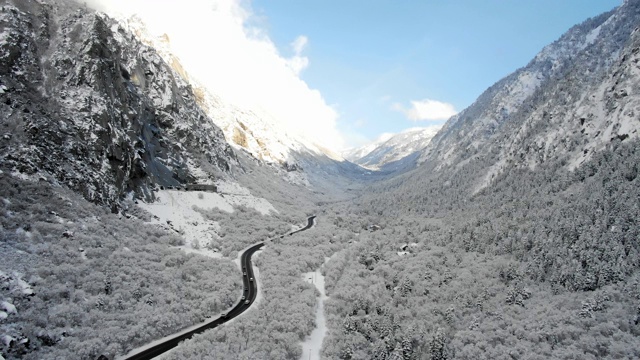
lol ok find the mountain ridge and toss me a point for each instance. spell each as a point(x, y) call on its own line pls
point(391, 148)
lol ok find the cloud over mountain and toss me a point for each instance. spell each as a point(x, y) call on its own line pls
point(426, 110)
point(238, 61)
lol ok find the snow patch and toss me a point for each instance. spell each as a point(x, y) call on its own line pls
point(15, 283)
point(203, 252)
point(8, 307)
point(21, 176)
point(232, 188)
point(591, 36)
point(25, 288)
point(520, 90)
point(174, 209)
point(495, 170)
point(7, 340)
point(4, 36)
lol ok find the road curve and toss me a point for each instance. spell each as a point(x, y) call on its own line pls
point(250, 293)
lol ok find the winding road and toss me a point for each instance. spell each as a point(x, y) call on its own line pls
point(250, 293)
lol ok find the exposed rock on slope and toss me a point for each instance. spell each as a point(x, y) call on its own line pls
point(88, 104)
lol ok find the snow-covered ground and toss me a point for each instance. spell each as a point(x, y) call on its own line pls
point(15, 283)
point(313, 343)
point(175, 209)
point(202, 251)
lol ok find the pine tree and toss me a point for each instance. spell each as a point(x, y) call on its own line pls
point(437, 346)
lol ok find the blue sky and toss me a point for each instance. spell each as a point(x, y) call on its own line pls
point(370, 59)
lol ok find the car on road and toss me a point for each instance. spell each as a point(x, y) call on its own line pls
point(243, 297)
point(250, 279)
point(247, 302)
point(244, 273)
point(223, 315)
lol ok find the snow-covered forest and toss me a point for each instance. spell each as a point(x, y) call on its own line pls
point(541, 265)
point(84, 281)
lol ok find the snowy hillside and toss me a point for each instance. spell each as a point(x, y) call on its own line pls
point(391, 148)
point(577, 95)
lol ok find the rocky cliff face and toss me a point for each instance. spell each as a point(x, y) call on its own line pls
point(86, 104)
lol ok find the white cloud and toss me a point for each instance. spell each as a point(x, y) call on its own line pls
point(298, 62)
point(427, 109)
point(217, 46)
point(299, 44)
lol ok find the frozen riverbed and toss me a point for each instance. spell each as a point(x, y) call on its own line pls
point(313, 343)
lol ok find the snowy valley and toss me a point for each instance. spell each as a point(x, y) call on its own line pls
point(129, 193)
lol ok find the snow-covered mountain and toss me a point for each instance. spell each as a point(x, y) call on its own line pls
point(575, 97)
point(391, 148)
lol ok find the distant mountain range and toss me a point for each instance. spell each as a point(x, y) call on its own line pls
point(391, 148)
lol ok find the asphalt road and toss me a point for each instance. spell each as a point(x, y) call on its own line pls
point(311, 220)
point(250, 292)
